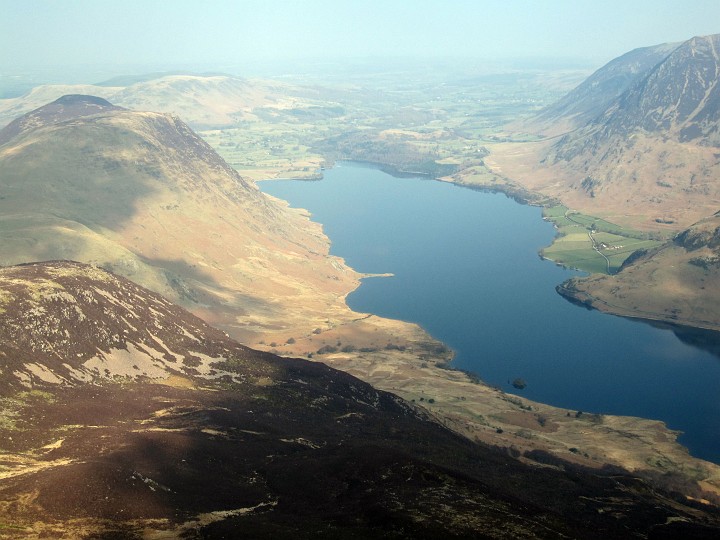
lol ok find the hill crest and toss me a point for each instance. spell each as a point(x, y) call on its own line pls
point(66, 107)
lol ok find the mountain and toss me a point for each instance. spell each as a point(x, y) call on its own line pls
point(143, 195)
point(125, 416)
point(678, 283)
point(592, 97)
point(649, 158)
point(13, 108)
point(64, 108)
point(679, 99)
point(654, 149)
point(203, 101)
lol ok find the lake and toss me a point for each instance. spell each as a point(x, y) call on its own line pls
point(466, 268)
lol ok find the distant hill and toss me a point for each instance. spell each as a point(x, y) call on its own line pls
point(143, 195)
point(125, 416)
point(202, 100)
point(128, 80)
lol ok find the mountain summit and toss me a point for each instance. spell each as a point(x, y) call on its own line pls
point(592, 97)
point(67, 107)
point(679, 98)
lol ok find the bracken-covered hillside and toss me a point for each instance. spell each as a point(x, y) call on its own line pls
point(124, 416)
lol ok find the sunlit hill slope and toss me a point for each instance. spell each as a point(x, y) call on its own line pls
point(142, 195)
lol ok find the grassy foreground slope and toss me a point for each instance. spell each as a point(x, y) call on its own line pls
point(125, 417)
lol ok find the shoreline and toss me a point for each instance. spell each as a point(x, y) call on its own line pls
point(523, 196)
point(417, 370)
point(586, 300)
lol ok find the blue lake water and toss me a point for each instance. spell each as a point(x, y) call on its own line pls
point(467, 270)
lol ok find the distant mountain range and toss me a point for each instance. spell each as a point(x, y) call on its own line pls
point(125, 416)
point(203, 101)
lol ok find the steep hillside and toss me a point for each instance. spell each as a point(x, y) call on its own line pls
point(591, 98)
point(141, 194)
point(124, 416)
point(677, 283)
point(678, 99)
point(649, 159)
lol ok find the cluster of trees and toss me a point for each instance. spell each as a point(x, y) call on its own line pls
point(398, 155)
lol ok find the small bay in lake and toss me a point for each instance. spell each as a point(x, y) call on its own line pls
point(466, 269)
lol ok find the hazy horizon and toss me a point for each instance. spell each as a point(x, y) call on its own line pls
point(250, 34)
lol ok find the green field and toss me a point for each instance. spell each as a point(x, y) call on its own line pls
point(591, 244)
point(435, 125)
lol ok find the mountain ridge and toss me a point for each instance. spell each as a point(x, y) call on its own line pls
point(649, 159)
point(590, 99)
point(209, 101)
point(679, 97)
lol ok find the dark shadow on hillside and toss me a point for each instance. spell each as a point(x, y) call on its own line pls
point(362, 465)
point(194, 287)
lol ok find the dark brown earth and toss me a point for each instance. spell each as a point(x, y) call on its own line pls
point(195, 436)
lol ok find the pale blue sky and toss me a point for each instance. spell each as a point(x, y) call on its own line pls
point(176, 32)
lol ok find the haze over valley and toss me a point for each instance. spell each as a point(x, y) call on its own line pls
point(179, 357)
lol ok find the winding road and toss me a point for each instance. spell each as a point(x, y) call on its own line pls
point(592, 241)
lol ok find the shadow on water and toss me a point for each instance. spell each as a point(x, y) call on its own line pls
point(700, 338)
